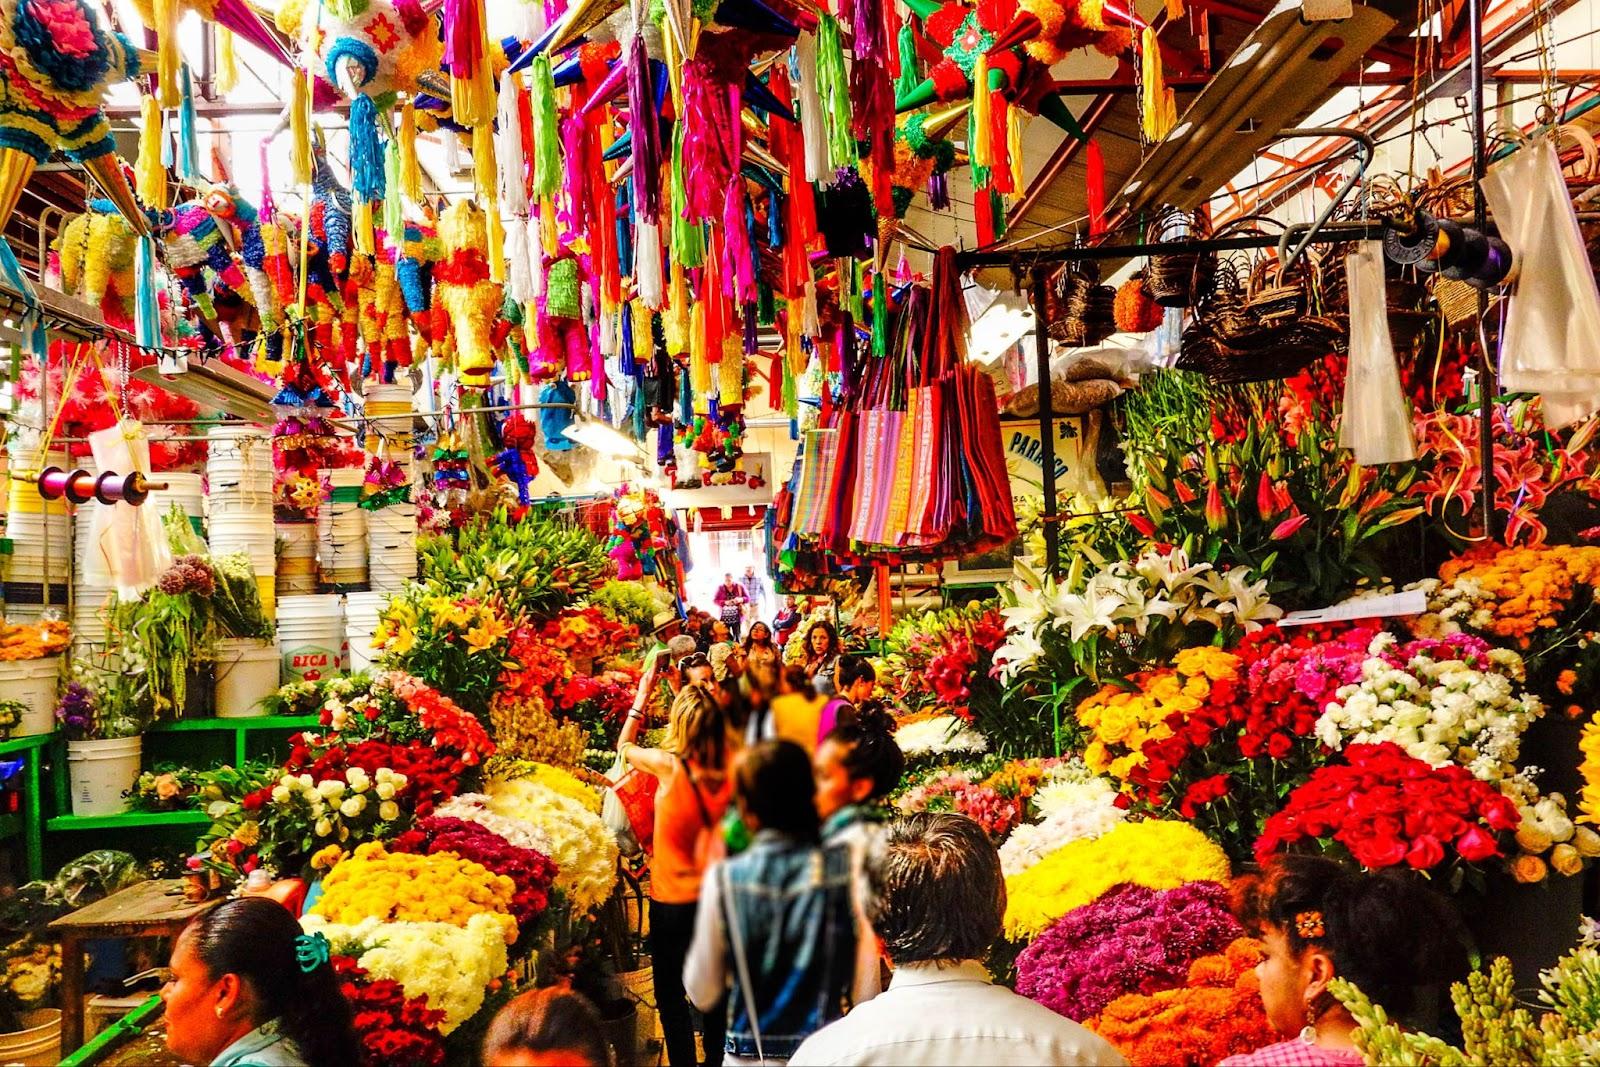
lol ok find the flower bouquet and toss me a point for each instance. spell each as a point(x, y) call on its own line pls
point(537, 565)
point(1215, 1014)
point(456, 643)
point(392, 1027)
point(398, 887)
point(1131, 940)
point(531, 872)
point(1071, 805)
point(943, 736)
point(1154, 854)
point(583, 848)
point(1385, 808)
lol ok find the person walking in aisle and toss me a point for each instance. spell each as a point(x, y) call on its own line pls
point(730, 602)
point(787, 620)
point(755, 591)
point(777, 926)
point(938, 900)
point(691, 768)
point(760, 653)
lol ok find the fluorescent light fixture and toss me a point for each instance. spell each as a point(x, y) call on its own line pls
point(214, 384)
point(1007, 320)
point(1280, 72)
point(603, 438)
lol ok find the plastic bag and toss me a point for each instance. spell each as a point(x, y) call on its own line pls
point(1551, 341)
point(127, 545)
point(1377, 418)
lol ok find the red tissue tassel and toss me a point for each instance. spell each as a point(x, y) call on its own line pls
point(1095, 188)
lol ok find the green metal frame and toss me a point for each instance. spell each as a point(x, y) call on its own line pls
point(129, 1026)
point(29, 823)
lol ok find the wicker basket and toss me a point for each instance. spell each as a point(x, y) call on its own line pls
point(1272, 352)
point(1172, 280)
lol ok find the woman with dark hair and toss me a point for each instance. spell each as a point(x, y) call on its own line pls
point(854, 680)
point(822, 655)
point(691, 767)
point(547, 1028)
point(857, 764)
point(249, 989)
point(777, 932)
point(760, 651)
point(1322, 920)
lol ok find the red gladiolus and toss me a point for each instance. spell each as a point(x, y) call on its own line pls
point(1216, 517)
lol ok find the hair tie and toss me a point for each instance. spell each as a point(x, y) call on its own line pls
point(1308, 924)
point(311, 951)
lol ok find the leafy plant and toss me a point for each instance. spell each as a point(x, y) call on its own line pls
point(631, 603)
point(537, 566)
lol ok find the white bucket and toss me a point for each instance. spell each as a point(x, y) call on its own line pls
point(38, 1044)
point(247, 674)
point(185, 490)
point(311, 637)
point(101, 771)
point(362, 612)
point(32, 683)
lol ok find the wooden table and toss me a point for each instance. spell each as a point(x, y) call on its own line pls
point(148, 909)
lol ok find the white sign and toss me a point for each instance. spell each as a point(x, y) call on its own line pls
point(1410, 602)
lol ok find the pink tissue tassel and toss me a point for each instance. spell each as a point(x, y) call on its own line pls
point(872, 91)
point(712, 149)
point(646, 175)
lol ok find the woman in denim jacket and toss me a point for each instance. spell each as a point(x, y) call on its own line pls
point(777, 928)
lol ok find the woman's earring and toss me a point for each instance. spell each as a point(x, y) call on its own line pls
point(1308, 1032)
point(221, 1011)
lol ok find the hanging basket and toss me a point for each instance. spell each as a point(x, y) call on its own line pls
point(1221, 305)
point(1272, 352)
point(1172, 279)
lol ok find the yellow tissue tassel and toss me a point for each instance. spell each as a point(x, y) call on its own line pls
point(472, 100)
point(1092, 13)
point(227, 77)
point(300, 130)
point(699, 365)
point(410, 168)
point(149, 175)
point(1158, 105)
point(167, 57)
point(980, 113)
point(72, 243)
point(730, 373)
point(1014, 149)
point(675, 318)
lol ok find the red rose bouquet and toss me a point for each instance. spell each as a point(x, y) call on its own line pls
point(1387, 808)
point(392, 1027)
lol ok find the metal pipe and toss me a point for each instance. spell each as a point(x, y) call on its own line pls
point(1047, 437)
point(1480, 217)
point(1064, 253)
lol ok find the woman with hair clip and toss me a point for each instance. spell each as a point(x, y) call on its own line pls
point(1321, 920)
point(691, 767)
point(249, 989)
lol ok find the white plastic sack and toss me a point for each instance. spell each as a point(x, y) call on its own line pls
point(1551, 342)
point(127, 545)
point(1377, 418)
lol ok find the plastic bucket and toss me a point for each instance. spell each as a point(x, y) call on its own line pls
point(311, 637)
point(22, 489)
point(32, 683)
point(38, 1044)
point(186, 491)
point(388, 408)
point(100, 771)
point(362, 612)
point(247, 674)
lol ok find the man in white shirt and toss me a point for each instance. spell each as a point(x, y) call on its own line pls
point(938, 901)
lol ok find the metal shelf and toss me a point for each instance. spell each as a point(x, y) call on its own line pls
point(126, 820)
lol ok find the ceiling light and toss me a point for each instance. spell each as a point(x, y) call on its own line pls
point(603, 438)
point(214, 384)
point(1007, 320)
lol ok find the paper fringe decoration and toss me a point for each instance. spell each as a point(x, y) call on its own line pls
point(647, 264)
point(168, 58)
point(410, 167)
point(227, 77)
point(1157, 100)
point(149, 174)
point(300, 161)
point(472, 95)
point(393, 207)
point(982, 100)
point(546, 130)
point(519, 271)
point(510, 152)
point(812, 130)
point(834, 85)
point(1095, 188)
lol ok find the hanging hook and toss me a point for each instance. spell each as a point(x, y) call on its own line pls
point(1367, 148)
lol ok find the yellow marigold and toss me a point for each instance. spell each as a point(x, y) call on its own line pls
point(1156, 854)
point(1589, 745)
point(400, 887)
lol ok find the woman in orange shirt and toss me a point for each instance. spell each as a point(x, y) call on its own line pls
point(692, 769)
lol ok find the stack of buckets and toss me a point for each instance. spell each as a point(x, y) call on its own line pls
point(185, 491)
point(239, 473)
point(40, 530)
point(342, 530)
point(392, 531)
point(90, 598)
point(239, 480)
point(297, 559)
point(311, 635)
point(361, 614)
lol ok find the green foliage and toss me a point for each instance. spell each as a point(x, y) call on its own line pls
point(538, 566)
point(630, 603)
